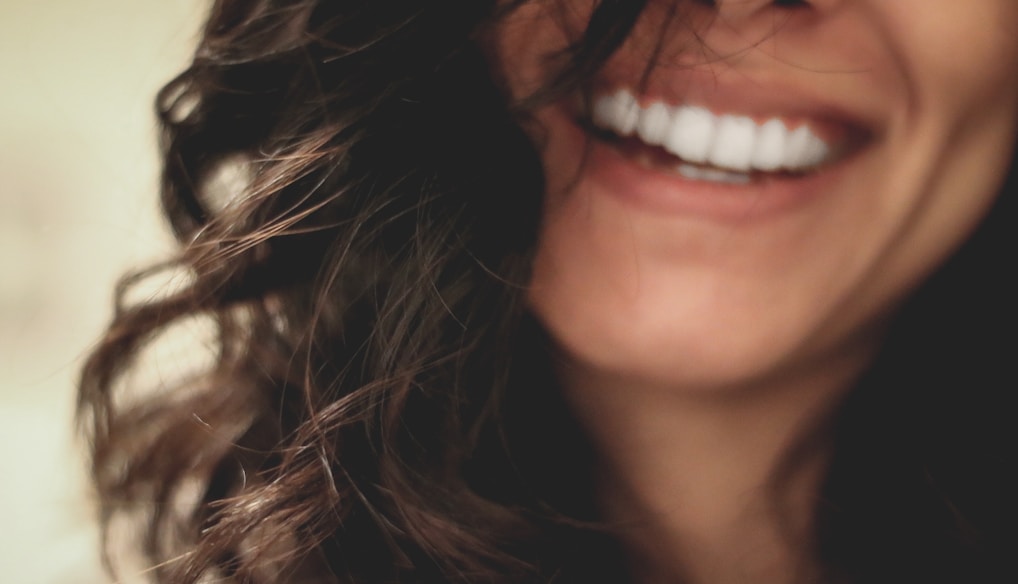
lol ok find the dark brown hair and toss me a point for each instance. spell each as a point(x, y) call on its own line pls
point(357, 206)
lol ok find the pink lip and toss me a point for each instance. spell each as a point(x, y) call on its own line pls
point(660, 192)
point(755, 95)
point(663, 192)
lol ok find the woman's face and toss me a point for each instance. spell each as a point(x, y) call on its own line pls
point(785, 176)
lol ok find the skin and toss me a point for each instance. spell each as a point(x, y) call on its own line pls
point(701, 346)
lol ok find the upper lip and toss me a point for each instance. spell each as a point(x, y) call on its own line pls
point(758, 96)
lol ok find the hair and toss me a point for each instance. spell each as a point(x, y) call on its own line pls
point(357, 205)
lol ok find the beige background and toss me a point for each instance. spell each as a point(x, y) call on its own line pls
point(77, 208)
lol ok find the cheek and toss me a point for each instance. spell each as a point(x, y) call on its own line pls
point(957, 58)
point(959, 63)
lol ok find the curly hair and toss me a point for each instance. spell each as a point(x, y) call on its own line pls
point(356, 207)
point(356, 204)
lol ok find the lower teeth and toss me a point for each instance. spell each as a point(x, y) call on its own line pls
point(694, 172)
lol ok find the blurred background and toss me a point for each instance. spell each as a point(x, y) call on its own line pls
point(78, 177)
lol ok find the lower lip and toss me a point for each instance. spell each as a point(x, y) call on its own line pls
point(664, 192)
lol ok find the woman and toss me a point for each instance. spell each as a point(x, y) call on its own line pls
point(580, 291)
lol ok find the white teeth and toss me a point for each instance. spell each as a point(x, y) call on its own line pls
point(770, 146)
point(734, 144)
point(618, 112)
point(691, 134)
point(654, 123)
point(712, 174)
point(696, 135)
point(804, 149)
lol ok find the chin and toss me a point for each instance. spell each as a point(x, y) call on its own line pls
point(669, 337)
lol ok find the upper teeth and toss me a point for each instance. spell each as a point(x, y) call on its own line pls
point(696, 135)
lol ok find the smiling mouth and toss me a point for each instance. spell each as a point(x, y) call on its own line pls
point(699, 145)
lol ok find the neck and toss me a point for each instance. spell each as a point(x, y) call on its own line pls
point(713, 486)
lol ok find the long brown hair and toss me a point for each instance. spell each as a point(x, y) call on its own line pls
point(356, 206)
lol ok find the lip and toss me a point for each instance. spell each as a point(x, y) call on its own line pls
point(672, 194)
point(659, 191)
point(755, 94)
